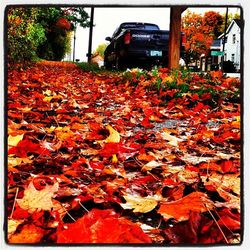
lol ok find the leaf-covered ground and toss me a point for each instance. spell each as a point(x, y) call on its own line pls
point(135, 157)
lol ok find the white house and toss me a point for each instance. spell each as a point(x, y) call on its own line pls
point(232, 43)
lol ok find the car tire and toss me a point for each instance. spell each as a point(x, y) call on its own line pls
point(107, 64)
point(119, 64)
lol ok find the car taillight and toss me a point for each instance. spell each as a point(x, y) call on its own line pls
point(127, 38)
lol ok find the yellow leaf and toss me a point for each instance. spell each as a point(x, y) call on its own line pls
point(25, 109)
point(154, 118)
point(48, 92)
point(50, 129)
point(140, 204)
point(63, 133)
point(152, 164)
point(228, 182)
point(56, 98)
point(47, 98)
point(13, 140)
point(236, 124)
point(228, 186)
point(15, 161)
point(114, 136)
point(168, 79)
point(34, 199)
point(172, 140)
point(114, 158)
point(12, 225)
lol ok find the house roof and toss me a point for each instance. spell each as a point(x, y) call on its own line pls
point(234, 21)
point(238, 22)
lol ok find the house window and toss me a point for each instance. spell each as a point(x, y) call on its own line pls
point(232, 57)
point(234, 38)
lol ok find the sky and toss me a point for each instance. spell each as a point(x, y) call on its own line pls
point(106, 20)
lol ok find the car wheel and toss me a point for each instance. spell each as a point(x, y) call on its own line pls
point(119, 64)
point(107, 64)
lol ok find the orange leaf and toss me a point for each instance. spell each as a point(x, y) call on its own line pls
point(180, 209)
point(28, 234)
point(101, 226)
point(145, 157)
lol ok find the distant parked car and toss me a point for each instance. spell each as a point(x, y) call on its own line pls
point(137, 44)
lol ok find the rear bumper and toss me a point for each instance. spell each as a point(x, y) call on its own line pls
point(149, 55)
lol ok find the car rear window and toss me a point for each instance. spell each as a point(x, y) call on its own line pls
point(140, 26)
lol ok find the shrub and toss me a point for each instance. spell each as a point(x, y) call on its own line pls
point(56, 45)
point(88, 66)
point(24, 34)
point(42, 32)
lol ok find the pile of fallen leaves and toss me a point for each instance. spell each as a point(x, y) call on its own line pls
point(135, 157)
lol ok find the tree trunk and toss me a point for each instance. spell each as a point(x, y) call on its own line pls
point(174, 37)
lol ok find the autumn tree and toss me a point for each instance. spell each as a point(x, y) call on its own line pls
point(100, 49)
point(212, 23)
point(42, 32)
point(196, 41)
point(58, 23)
point(24, 34)
point(230, 18)
point(200, 32)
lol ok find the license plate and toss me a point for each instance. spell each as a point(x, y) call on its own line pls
point(155, 53)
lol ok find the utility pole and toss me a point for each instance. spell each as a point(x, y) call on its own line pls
point(224, 40)
point(90, 34)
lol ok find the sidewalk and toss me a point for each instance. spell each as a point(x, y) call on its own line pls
point(233, 75)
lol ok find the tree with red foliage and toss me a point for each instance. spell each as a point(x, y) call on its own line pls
point(212, 22)
point(200, 32)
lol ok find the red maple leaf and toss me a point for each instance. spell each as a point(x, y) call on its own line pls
point(27, 146)
point(101, 226)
